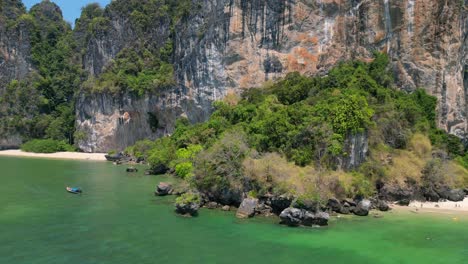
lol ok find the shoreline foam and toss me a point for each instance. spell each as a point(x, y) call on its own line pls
point(58, 155)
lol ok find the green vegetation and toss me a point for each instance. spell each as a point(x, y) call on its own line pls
point(46, 146)
point(145, 65)
point(290, 137)
point(188, 198)
point(40, 106)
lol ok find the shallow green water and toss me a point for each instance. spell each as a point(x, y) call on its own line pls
point(118, 220)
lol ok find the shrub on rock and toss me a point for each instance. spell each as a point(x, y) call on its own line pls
point(188, 204)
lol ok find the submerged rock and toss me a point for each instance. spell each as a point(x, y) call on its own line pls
point(163, 189)
point(132, 169)
point(226, 208)
point(362, 208)
point(247, 208)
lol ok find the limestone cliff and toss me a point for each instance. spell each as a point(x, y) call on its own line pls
point(236, 44)
point(231, 45)
point(14, 43)
point(15, 62)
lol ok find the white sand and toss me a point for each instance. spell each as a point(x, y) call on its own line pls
point(58, 155)
point(439, 207)
point(455, 206)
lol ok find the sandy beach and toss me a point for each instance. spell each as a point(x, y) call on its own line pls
point(438, 207)
point(58, 155)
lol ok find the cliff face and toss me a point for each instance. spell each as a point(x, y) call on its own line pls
point(236, 44)
point(15, 63)
point(15, 44)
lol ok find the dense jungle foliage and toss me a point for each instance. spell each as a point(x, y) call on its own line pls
point(291, 136)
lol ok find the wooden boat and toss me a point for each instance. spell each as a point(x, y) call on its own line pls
point(74, 190)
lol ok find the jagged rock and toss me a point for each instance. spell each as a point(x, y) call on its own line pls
point(443, 191)
point(279, 203)
point(456, 195)
point(466, 191)
point(263, 209)
point(132, 169)
point(349, 202)
point(382, 206)
point(335, 205)
point(188, 204)
point(346, 209)
point(397, 193)
point(296, 217)
point(430, 194)
point(292, 216)
point(226, 208)
point(362, 208)
point(163, 189)
point(317, 219)
point(306, 204)
point(247, 208)
point(187, 209)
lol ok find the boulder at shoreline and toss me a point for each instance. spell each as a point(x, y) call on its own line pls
point(188, 204)
point(163, 189)
point(297, 217)
point(247, 208)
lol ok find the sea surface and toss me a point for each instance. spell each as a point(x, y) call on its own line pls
point(118, 220)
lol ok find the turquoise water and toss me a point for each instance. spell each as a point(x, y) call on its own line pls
point(118, 220)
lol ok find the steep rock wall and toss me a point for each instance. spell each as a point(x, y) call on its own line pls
point(15, 47)
point(236, 44)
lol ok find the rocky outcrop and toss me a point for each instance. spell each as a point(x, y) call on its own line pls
point(247, 208)
point(362, 208)
point(163, 189)
point(278, 203)
point(110, 122)
point(132, 169)
point(10, 141)
point(297, 217)
point(188, 204)
point(456, 195)
point(230, 45)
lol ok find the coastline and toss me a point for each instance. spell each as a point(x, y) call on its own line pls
point(445, 207)
point(58, 155)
